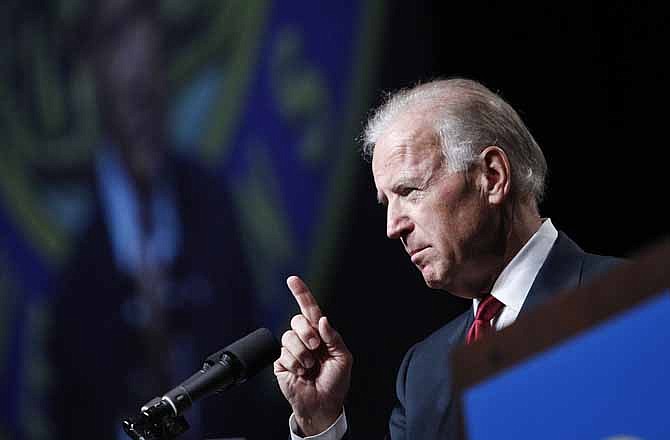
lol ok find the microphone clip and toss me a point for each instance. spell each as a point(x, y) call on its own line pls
point(156, 421)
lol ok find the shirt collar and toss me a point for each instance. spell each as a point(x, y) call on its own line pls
point(121, 207)
point(515, 281)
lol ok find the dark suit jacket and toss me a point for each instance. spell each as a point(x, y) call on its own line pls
point(102, 366)
point(425, 408)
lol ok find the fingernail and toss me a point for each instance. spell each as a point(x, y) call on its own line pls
point(313, 343)
point(301, 371)
point(309, 362)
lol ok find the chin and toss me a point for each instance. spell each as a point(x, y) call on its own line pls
point(433, 281)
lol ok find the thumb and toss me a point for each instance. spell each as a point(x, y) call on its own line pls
point(331, 337)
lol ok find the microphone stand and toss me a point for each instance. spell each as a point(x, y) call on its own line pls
point(161, 419)
point(156, 421)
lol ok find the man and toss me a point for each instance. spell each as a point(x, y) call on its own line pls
point(461, 178)
point(158, 277)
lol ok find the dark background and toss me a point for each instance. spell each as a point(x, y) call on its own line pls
point(589, 83)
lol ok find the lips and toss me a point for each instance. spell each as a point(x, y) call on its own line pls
point(415, 254)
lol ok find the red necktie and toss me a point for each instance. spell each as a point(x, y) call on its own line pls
point(488, 309)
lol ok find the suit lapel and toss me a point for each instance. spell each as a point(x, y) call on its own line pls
point(469, 319)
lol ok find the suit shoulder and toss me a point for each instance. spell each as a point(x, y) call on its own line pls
point(595, 265)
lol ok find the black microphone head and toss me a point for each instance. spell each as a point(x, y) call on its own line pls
point(255, 351)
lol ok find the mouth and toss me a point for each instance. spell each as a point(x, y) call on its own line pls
point(415, 255)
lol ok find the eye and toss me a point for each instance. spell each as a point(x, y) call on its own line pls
point(406, 190)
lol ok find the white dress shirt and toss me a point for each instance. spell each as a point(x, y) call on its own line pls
point(511, 288)
point(121, 208)
point(514, 282)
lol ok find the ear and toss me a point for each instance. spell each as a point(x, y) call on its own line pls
point(496, 177)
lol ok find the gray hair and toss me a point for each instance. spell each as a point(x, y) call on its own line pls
point(468, 117)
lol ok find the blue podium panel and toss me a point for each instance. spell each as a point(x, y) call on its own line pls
point(612, 382)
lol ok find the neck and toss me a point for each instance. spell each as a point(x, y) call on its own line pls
point(524, 223)
point(518, 223)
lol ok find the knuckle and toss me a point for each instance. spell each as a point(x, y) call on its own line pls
point(287, 359)
point(287, 337)
point(297, 321)
point(294, 346)
point(305, 333)
point(291, 364)
point(301, 352)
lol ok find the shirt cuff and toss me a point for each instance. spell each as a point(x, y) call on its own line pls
point(335, 432)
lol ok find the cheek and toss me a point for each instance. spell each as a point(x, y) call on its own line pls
point(478, 230)
point(443, 235)
point(459, 233)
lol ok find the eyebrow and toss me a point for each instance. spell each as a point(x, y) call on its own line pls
point(402, 181)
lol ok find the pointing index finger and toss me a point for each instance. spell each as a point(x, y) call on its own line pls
point(308, 306)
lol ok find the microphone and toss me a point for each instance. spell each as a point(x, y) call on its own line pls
point(224, 369)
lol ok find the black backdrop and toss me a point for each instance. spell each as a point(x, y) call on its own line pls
point(589, 83)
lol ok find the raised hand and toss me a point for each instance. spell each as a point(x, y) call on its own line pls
point(314, 368)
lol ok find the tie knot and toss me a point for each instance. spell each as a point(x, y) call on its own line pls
point(488, 308)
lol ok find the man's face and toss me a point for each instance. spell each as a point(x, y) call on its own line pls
point(131, 85)
point(443, 222)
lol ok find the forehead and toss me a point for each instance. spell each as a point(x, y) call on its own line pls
point(408, 141)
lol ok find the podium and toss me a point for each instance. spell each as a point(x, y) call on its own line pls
point(594, 363)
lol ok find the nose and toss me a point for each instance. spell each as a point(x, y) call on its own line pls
point(398, 224)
